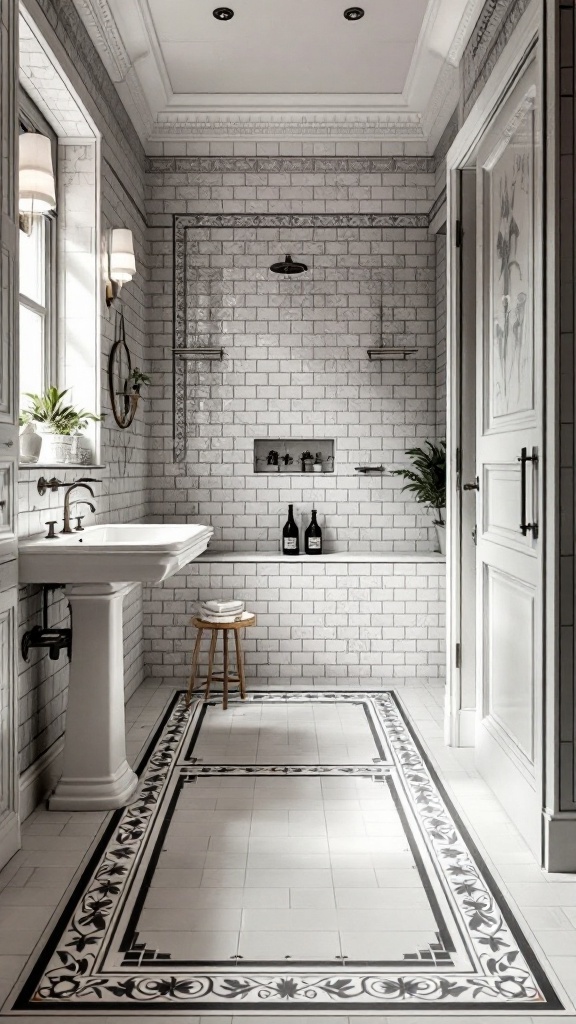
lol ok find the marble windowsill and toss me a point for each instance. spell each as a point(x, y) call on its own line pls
point(370, 557)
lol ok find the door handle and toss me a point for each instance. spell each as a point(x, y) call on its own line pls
point(472, 487)
point(523, 460)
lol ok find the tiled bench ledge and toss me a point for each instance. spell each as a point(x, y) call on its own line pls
point(339, 557)
point(346, 617)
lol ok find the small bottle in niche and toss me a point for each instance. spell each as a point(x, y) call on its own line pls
point(290, 539)
point(313, 537)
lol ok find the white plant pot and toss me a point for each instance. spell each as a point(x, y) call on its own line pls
point(441, 534)
point(56, 448)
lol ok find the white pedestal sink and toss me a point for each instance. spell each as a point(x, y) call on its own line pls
point(98, 567)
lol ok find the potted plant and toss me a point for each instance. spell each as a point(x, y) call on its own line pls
point(131, 393)
point(59, 424)
point(427, 480)
point(286, 461)
point(272, 461)
point(137, 379)
point(307, 462)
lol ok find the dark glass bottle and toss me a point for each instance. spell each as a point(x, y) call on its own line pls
point(290, 538)
point(313, 537)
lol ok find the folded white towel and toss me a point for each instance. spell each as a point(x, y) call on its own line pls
point(221, 607)
point(232, 617)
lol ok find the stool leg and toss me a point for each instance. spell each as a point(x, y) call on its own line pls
point(240, 664)
point(194, 668)
point(213, 640)
point(225, 673)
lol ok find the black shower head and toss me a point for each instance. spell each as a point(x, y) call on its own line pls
point(289, 266)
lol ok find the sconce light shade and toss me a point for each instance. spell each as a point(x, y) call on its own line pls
point(36, 185)
point(122, 261)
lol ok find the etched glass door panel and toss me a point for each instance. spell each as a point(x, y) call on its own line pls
point(509, 190)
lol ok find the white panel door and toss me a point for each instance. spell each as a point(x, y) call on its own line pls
point(509, 418)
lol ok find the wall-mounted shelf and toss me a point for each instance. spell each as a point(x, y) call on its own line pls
point(379, 355)
point(199, 353)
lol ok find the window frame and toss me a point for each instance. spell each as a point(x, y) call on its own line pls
point(31, 119)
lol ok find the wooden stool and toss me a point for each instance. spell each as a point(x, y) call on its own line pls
point(201, 625)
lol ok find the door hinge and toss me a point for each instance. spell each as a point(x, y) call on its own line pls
point(458, 660)
point(475, 534)
point(458, 234)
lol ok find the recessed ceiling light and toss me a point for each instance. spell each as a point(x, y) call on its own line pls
point(354, 13)
point(223, 13)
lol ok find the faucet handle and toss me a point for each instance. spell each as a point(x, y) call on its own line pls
point(51, 524)
point(78, 528)
point(53, 484)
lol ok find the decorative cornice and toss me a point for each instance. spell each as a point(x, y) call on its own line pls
point(493, 30)
point(288, 125)
point(454, 55)
point(290, 164)
point(104, 33)
point(103, 30)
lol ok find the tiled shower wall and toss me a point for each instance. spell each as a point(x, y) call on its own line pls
point(296, 363)
point(121, 492)
point(295, 350)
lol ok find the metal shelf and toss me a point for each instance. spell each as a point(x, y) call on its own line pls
point(379, 355)
point(199, 353)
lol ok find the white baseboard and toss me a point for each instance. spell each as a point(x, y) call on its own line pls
point(40, 778)
point(560, 842)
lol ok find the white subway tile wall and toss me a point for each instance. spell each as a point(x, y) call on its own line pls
point(318, 623)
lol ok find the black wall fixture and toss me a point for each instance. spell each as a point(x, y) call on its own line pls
point(354, 13)
point(288, 266)
point(223, 13)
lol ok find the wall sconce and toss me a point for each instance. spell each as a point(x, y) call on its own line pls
point(121, 262)
point(36, 183)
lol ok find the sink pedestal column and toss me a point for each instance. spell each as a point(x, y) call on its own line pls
point(96, 774)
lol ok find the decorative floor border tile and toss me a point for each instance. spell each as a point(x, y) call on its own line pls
point(72, 974)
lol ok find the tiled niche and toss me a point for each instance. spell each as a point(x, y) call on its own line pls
point(286, 455)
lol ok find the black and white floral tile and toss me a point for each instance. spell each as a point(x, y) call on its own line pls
point(474, 957)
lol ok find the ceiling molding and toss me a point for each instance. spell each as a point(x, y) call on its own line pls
point(142, 82)
point(464, 31)
point(279, 125)
point(103, 30)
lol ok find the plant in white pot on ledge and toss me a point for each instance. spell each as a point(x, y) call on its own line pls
point(427, 480)
point(59, 425)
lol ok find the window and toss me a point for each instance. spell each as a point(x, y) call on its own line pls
point(37, 284)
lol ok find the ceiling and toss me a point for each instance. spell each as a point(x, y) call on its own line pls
point(304, 46)
point(277, 69)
